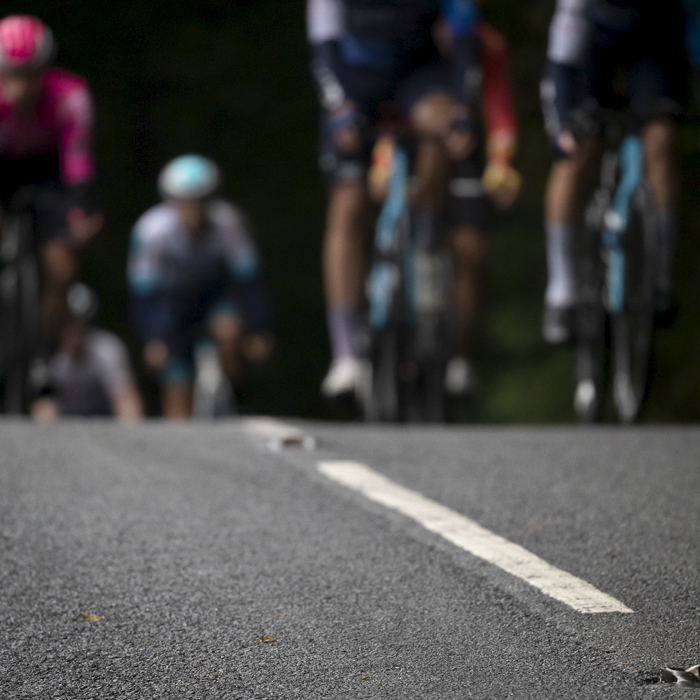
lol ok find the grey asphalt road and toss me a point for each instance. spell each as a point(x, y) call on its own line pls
point(196, 546)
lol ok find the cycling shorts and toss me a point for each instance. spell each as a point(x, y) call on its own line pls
point(370, 90)
point(642, 69)
point(468, 203)
point(49, 200)
point(190, 324)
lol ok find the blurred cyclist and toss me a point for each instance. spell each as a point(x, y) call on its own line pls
point(364, 53)
point(45, 141)
point(598, 50)
point(194, 271)
point(90, 373)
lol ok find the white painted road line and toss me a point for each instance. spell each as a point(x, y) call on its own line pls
point(473, 538)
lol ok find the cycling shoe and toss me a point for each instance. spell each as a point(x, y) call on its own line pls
point(557, 325)
point(346, 376)
point(460, 377)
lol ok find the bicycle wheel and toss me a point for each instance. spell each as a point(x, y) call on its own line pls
point(382, 401)
point(19, 291)
point(632, 327)
point(432, 343)
point(590, 329)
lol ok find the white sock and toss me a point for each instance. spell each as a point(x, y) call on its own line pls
point(561, 285)
point(342, 327)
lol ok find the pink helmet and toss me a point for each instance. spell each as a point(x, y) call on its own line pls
point(26, 44)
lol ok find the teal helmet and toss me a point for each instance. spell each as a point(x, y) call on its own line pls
point(189, 177)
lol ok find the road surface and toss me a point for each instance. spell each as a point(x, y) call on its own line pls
point(232, 560)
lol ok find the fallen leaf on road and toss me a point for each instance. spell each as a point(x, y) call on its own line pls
point(364, 678)
point(89, 617)
point(267, 639)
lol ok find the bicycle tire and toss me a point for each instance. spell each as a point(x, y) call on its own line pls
point(631, 329)
point(590, 328)
point(382, 401)
point(19, 288)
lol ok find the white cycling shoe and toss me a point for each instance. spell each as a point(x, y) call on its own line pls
point(346, 376)
point(460, 377)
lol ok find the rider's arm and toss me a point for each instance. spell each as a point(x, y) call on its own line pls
point(149, 303)
point(324, 25)
point(245, 268)
point(567, 51)
point(497, 97)
point(75, 113)
point(461, 18)
point(501, 180)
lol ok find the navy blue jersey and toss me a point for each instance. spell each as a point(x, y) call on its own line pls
point(385, 36)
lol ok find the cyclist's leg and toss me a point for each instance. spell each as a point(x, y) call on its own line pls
point(58, 257)
point(469, 249)
point(655, 97)
point(570, 87)
point(177, 378)
point(59, 263)
point(176, 401)
point(659, 137)
point(431, 116)
point(343, 259)
point(226, 329)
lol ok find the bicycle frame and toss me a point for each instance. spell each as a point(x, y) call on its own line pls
point(393, 222)
point(629, 158)
point(407, 314)
point(616, 282)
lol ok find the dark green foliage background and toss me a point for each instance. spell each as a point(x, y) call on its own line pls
point(230, 79)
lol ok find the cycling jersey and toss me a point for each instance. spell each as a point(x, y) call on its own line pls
point(387, 37)
point(89, 384)
point(56, 136)
point(177, 280)
point(590, 39)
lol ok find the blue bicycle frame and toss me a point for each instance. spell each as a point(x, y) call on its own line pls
point(385, 275)
point(616, 219)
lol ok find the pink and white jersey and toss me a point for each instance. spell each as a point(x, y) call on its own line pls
point(60, 123)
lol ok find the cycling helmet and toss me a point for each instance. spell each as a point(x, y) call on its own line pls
point(82, 302)
point(188, 177)
point(26, 44)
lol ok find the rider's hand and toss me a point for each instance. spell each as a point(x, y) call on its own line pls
point(459, 138)
point(346, 135)
point(502, 184)
point(155, 355)
point(567, 143)
point(83, 227)
point(258, 347)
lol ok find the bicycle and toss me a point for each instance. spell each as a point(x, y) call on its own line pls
point(615, 281)
point(408, 315)
point(19, 302)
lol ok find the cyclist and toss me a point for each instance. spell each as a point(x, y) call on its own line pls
point(45, 141)
point(90, 373)
point(365, 52)
point(194, 271)
point(597, 47)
